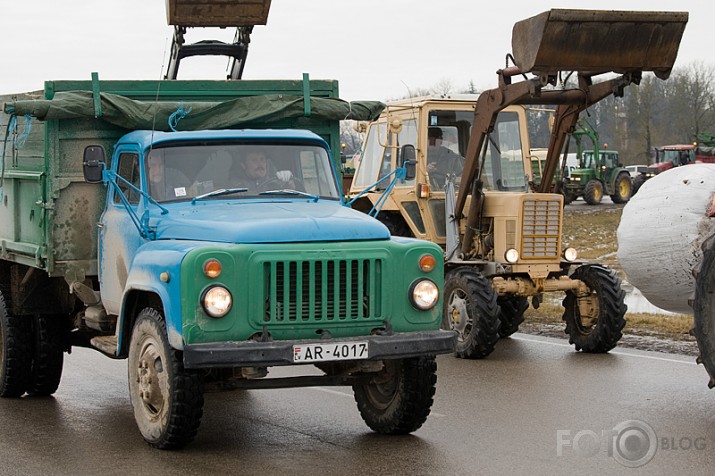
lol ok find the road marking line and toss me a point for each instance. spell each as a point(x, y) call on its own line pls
point(614, 352)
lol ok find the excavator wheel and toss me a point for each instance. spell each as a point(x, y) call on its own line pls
point(470, 308)
point(704, 308)
point(511, 314)
point(595, 322)
point(395, 223)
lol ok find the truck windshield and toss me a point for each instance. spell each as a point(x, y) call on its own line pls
point(182, 172)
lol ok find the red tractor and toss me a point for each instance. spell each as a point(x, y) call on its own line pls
point(669, 156)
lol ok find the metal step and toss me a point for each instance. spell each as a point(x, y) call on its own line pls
point(105, 344)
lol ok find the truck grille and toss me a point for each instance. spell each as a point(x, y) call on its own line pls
point(318, 291)
point(541, 232)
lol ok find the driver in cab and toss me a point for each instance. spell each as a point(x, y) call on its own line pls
point(441, 160)
point(255, 176)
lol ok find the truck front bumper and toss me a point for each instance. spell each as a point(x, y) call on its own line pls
point(265, 354)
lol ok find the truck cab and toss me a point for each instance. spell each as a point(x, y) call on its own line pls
point(234, 248)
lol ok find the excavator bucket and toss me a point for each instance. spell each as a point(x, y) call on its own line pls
point(217, 13)
point(596, 41)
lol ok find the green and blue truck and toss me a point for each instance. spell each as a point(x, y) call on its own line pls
point(209, 286)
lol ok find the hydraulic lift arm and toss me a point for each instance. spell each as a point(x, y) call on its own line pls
point(587, 42)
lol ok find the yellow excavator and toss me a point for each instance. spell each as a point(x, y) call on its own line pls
point(473, 191)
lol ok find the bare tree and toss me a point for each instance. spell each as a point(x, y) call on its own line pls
point(443, 87)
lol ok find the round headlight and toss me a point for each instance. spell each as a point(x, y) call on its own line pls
point(424, 294)
point(570, 254)
point(511, 256)
point(216, 301)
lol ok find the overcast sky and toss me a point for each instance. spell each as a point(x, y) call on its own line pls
point(376, 49)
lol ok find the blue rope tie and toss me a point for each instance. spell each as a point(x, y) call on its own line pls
point(25, 133)
point(21, 138)
point(178, 115)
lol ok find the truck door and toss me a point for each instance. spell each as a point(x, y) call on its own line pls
point(118, 236)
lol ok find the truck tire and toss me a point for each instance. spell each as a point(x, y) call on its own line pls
point(604, 329)
point(621, 188)
point(637, 183)
point(400, 398)
point(704, 309)
point(167, 399)
point(593, 192)
point(470, 308)
point(15, 352)
point(511, 314)
point(48, 355)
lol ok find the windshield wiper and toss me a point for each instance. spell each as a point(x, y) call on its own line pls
point(216, 193)
point(288, 191)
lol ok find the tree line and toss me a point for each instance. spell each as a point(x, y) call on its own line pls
point(655, 113)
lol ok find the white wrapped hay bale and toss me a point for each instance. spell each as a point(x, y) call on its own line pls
point(661, 231)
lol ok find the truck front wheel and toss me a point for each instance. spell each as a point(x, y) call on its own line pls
point(399, 398)
point(15, 352)
point(595, 322)
point(167, 399)
point(470, 308)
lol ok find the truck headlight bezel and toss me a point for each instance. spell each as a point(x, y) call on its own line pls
point(216, 301)
point(424, 294)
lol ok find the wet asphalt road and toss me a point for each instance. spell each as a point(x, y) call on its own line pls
point(534, 406)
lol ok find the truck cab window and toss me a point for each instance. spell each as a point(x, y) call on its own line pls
point(128, 169)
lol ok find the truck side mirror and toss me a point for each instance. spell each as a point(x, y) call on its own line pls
point(408, 158)
point(93, 163)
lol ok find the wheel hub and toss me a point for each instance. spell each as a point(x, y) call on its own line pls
point(588, 310)
point(149, 372)
point(458, 314)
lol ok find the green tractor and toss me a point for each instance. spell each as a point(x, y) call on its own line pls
point(600, 172)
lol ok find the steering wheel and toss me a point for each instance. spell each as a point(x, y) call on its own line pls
point(274, 183)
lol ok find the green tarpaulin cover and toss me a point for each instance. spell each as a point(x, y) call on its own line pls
point(240, 112)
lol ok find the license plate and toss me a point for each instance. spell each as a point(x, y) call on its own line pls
point(327, 352)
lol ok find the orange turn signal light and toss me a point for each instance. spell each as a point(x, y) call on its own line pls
point(427, 263)
point(212, 268)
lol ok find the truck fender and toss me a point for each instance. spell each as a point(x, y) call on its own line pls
point(153, 280)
